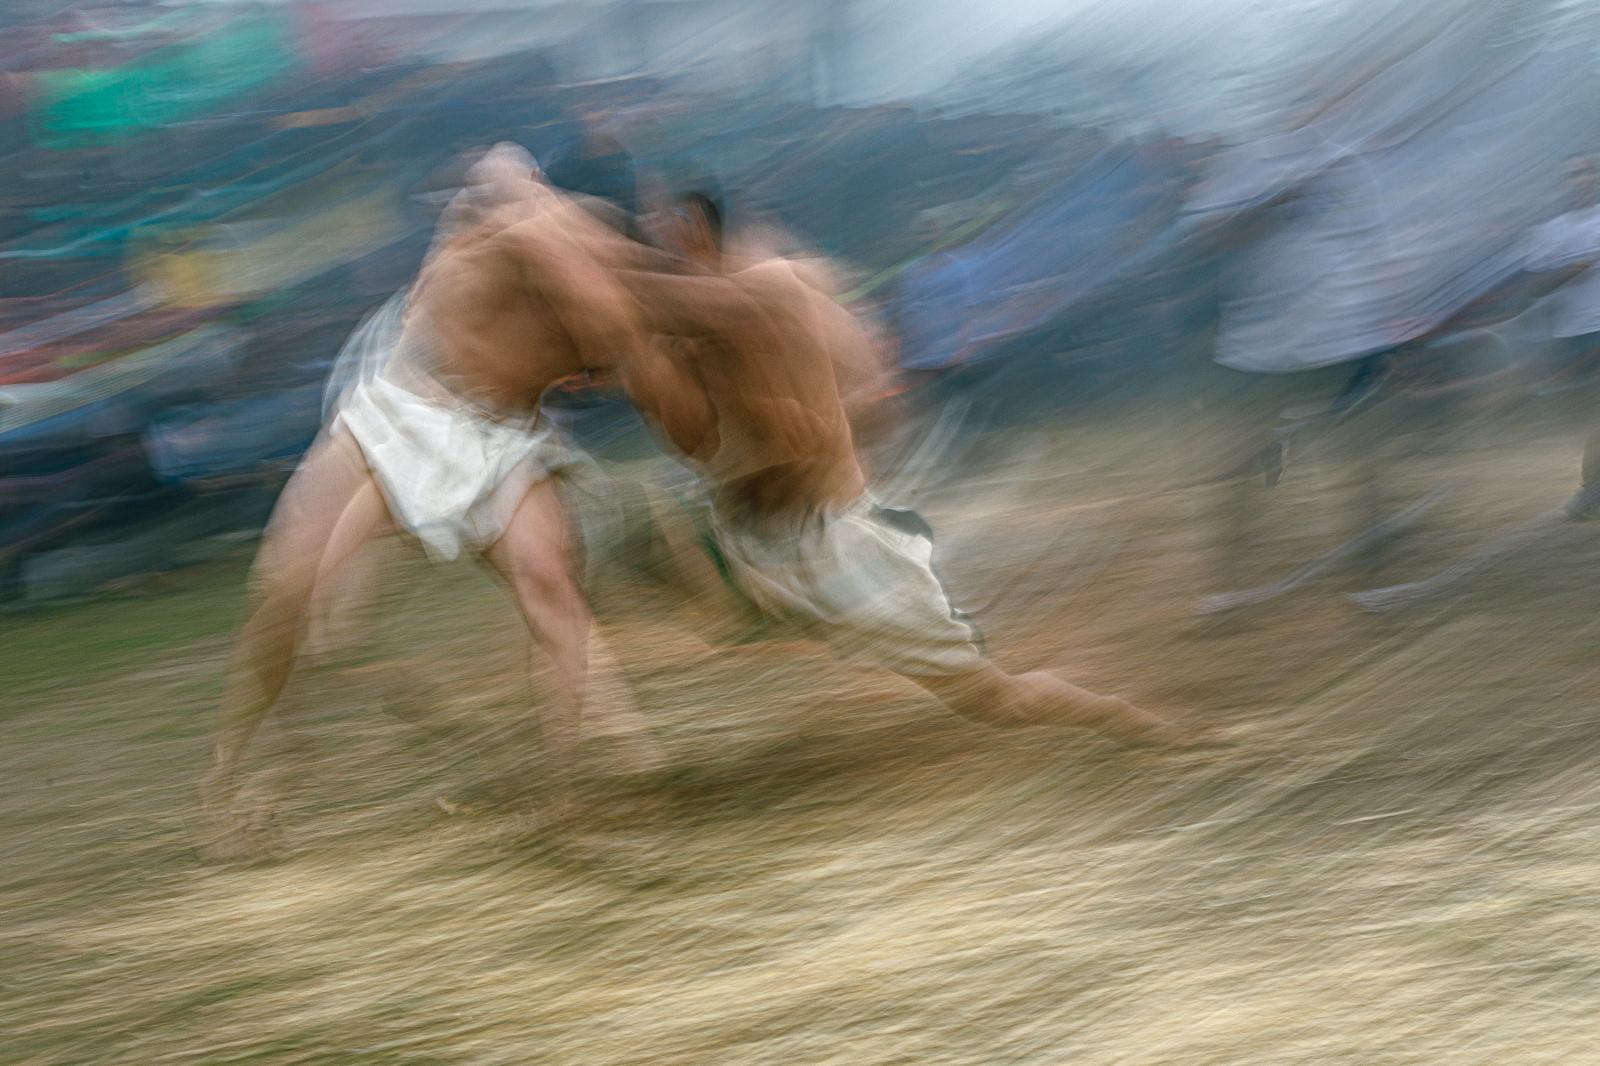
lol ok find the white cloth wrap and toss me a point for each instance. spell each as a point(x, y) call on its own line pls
point(856, 580)
point(452, 470)
point(364, 354)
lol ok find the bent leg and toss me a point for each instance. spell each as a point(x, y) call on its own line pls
point(533, 558)
point(692, 573)
point(348, 613)
point(352, 587)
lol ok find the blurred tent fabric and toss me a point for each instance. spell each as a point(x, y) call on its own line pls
point(1391, 208)
point(1374, 215)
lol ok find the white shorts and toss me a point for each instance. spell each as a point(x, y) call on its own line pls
point(452, 472)
point(862, 579)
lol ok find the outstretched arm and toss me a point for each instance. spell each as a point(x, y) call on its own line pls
point(587, 303)
point(690, 304)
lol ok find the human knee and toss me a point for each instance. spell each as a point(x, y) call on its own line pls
point(553, 607)
point(542, 582)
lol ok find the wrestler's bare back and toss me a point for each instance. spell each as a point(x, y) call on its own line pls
point(756, 401)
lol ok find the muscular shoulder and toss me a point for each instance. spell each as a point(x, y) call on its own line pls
point(764, 270)
point(793, 286)
point(774, 283)
point(548, 248)
point(540, 231)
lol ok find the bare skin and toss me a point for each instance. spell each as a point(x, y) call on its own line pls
point(758, 402)
point(512, 302)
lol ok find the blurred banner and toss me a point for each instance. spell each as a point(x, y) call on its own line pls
point(203, 71)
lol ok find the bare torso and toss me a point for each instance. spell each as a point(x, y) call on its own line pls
point(526, 297)
point(518, 302)
point(760, 409)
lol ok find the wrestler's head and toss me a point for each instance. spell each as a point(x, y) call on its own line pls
point(503, 177)
point(698, 232)
point(503, 173)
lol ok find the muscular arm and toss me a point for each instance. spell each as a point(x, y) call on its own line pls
point(587, 304)
point(768, 352)
point(863, 368)
point(690, 305)
point(620, 253)
point(668, 392)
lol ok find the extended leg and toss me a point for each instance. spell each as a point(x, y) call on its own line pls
point(1020, 701)
point(329, 508)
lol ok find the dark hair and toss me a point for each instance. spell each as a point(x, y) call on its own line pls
point(710, 206)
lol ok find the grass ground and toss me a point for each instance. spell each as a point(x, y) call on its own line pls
point(1397, 865)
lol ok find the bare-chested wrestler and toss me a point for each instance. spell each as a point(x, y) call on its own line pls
point(764, 408)
point(445, 442)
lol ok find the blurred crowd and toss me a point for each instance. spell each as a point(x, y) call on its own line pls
point(199, 202)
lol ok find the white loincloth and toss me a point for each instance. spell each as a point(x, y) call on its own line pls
point(452, 470)
point(858, 580)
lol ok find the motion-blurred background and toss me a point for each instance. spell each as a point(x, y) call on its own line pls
point(1211, 313)
point(201, 199)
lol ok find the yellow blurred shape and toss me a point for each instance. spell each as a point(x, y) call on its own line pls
point(253, 253)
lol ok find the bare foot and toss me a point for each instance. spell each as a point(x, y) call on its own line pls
point(222, 835)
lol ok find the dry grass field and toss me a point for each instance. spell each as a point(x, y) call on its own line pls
point(1397, 863)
